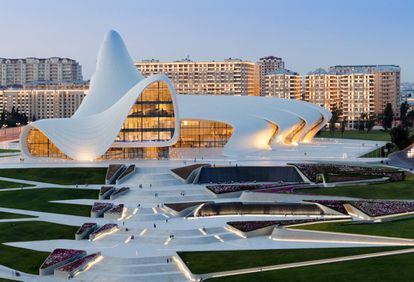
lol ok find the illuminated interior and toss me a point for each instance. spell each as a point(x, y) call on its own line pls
point(40, 146)
point(203, 134)
point(151, 118)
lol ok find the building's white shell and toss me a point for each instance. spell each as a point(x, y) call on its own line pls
point(258, 122)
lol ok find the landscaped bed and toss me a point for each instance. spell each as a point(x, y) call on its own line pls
point(24, 259)
point(214, 261)
point(9, 184)
point(69, 175)
point(343, 173)
point(8, 215)
point(39, 200)
point(103, 230)
point(394, 190)
point(365, 270)
point(248, 226)
point(230, 188)
point(373, 208)
point(58, 258)
point(403, 228)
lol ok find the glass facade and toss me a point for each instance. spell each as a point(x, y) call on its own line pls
point(203, 133)
point(151, 118)
point(40, 146)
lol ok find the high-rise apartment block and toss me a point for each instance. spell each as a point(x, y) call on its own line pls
point(45, 101)
point(322, 88)
point(35, 70)
point(283, 83)
point(268, 65)
point(359, 91)
point(386, 82)
point(228, 77)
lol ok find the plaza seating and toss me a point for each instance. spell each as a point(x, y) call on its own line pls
point(340, 173)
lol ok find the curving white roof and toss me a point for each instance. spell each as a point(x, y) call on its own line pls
point(258, 122)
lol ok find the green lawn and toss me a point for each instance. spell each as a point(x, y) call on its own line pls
point(390, 268)
point(9, 215)
point(9, 151)
point(28, 260)
point(391, 190)
point(69, 176)
point(401, 228)
point(207, 262)
point(37, 200)
point(375, 135)
point(8, 184)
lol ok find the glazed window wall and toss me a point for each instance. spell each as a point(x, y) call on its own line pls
point(203, 133)
point(115, 153)
point(151, 118)
point(40, 146)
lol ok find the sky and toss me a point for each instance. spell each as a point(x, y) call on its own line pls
point(307, 34)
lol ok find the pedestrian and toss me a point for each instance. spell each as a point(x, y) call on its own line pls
point(123, 223)
point(155, 226)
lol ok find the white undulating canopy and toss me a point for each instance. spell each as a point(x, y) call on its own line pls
point(258, 122)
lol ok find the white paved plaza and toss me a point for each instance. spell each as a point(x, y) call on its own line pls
point(139, 251)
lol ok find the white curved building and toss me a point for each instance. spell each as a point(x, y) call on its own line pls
point(128, 116)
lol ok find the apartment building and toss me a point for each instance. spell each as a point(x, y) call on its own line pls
point(353, 93)
point(268, 65)
point(283, 83)
point(357, 97)
point(228, 77)
point(57, 101)
point(322, 88)
point(38, 70)
point(386, 81)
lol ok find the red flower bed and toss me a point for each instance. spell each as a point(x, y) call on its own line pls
point(381, 208)
point(85, 227)
point(120, 191)
point(59, 255)
point(116, 209)
point(247, 226)
point(228, 188)
point(332, 204)
point(105, 189)
point(103, 228)
point(337, 172)
point(79, 262)
point(97, 207)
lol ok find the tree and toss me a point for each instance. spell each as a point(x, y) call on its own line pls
point(336, 112)
point(403, 113)
point(371, 122)
point(400, 136)
point(387, 117)
point(344, 122)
